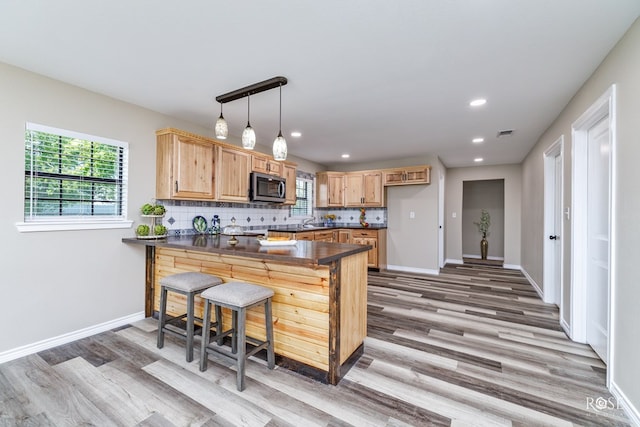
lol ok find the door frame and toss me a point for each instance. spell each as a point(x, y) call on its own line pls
point(603, 107)
point(441, 220)
point(548, 286)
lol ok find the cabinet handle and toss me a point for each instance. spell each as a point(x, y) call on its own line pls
point(176, 186)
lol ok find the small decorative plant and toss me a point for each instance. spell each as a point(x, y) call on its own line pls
point(484, 223)
point(363, 217)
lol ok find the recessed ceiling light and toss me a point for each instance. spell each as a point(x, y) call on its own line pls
point(477, 140)
point(296, 134)
point(478, 102)
point(478, 159)
point(345, 156)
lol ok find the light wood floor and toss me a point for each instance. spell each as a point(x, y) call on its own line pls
point(472, 346)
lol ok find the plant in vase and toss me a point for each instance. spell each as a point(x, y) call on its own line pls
point(483, 227)
point(329, 219)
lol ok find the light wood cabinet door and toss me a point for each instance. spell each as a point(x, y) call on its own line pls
point(329, 189)
point(289, 173)
point(364, 189)
point(377, 257)
point(323, 236)
point(265, 164)
point(232, 173)
point(185, 168)
point(307, 235)
point(407, 176)
point(372, 255)
point(344, 236)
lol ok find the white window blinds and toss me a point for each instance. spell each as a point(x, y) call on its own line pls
point(73, 177)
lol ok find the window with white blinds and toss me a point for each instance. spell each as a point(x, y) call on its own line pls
point(304, 197)
point(73, 178)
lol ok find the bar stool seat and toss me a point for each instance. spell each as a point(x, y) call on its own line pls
point(238, 297)
point(189, 284)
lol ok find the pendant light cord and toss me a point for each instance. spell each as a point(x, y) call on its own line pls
point(280, 121)
point(248, 110)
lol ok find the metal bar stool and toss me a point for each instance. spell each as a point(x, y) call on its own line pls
point(189, 284)
point(238, 297)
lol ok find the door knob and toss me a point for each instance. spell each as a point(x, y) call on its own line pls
point(554, 237)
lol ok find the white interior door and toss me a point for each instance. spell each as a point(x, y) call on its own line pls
point(553, 205)
point(557, 229)
point(598, 208)
point(441, 221)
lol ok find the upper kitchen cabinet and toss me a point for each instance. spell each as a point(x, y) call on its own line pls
point(232, 172)
point(329, 189)
point(289, 173)
point(265, 164)
point(184, 166)
point(407, 176)
point(194, 167)
point(363, 189)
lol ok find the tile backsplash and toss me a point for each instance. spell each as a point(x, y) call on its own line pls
point(179, 216)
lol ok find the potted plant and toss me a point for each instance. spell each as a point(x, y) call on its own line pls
point(483, 227)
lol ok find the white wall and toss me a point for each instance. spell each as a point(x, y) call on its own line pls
point(55, 283)
point(622, 67)
point(511, 174)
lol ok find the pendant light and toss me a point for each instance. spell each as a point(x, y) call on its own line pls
point(222, 129)
point(280, 144)
point(248, 134)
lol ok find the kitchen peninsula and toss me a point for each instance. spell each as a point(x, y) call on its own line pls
point(320, 301)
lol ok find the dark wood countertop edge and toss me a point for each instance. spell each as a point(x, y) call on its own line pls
point(164, 243)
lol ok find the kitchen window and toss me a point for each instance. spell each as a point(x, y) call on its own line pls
point(73, 181)
point(304, 198)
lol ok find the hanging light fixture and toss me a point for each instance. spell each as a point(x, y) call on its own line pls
point(248, 134)
point(280, 144)
point(222, 129)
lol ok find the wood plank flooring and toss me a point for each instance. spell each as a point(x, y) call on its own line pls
point(472, 346)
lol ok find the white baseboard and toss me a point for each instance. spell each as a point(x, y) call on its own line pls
point(453, 261)
point(533, 283)
point(632, 412)
point(512, 266)
point(412, 269)
point(28, 349)
point(495, 258)
point(566, 327)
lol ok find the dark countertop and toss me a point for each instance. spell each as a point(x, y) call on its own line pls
point(297, 228)
point(303, 252)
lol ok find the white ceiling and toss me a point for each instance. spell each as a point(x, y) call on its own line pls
point(378, 79)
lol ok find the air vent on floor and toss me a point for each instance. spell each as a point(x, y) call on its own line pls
point(506, 132)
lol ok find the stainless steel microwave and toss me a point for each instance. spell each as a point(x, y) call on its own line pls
point(267, 188)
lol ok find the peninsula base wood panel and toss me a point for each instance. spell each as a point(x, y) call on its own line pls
point(319, 313)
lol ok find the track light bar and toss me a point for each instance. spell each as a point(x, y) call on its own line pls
point(271, 83)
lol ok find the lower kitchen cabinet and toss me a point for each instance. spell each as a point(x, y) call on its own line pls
point(305, 235)
point(344, 236)
point(323, 236)
point(377, 256)
point(377, 239)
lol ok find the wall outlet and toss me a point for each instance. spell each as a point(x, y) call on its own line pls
point(453, 215)
point(412, 214)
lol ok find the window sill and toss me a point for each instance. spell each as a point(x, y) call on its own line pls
point(27, 227)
